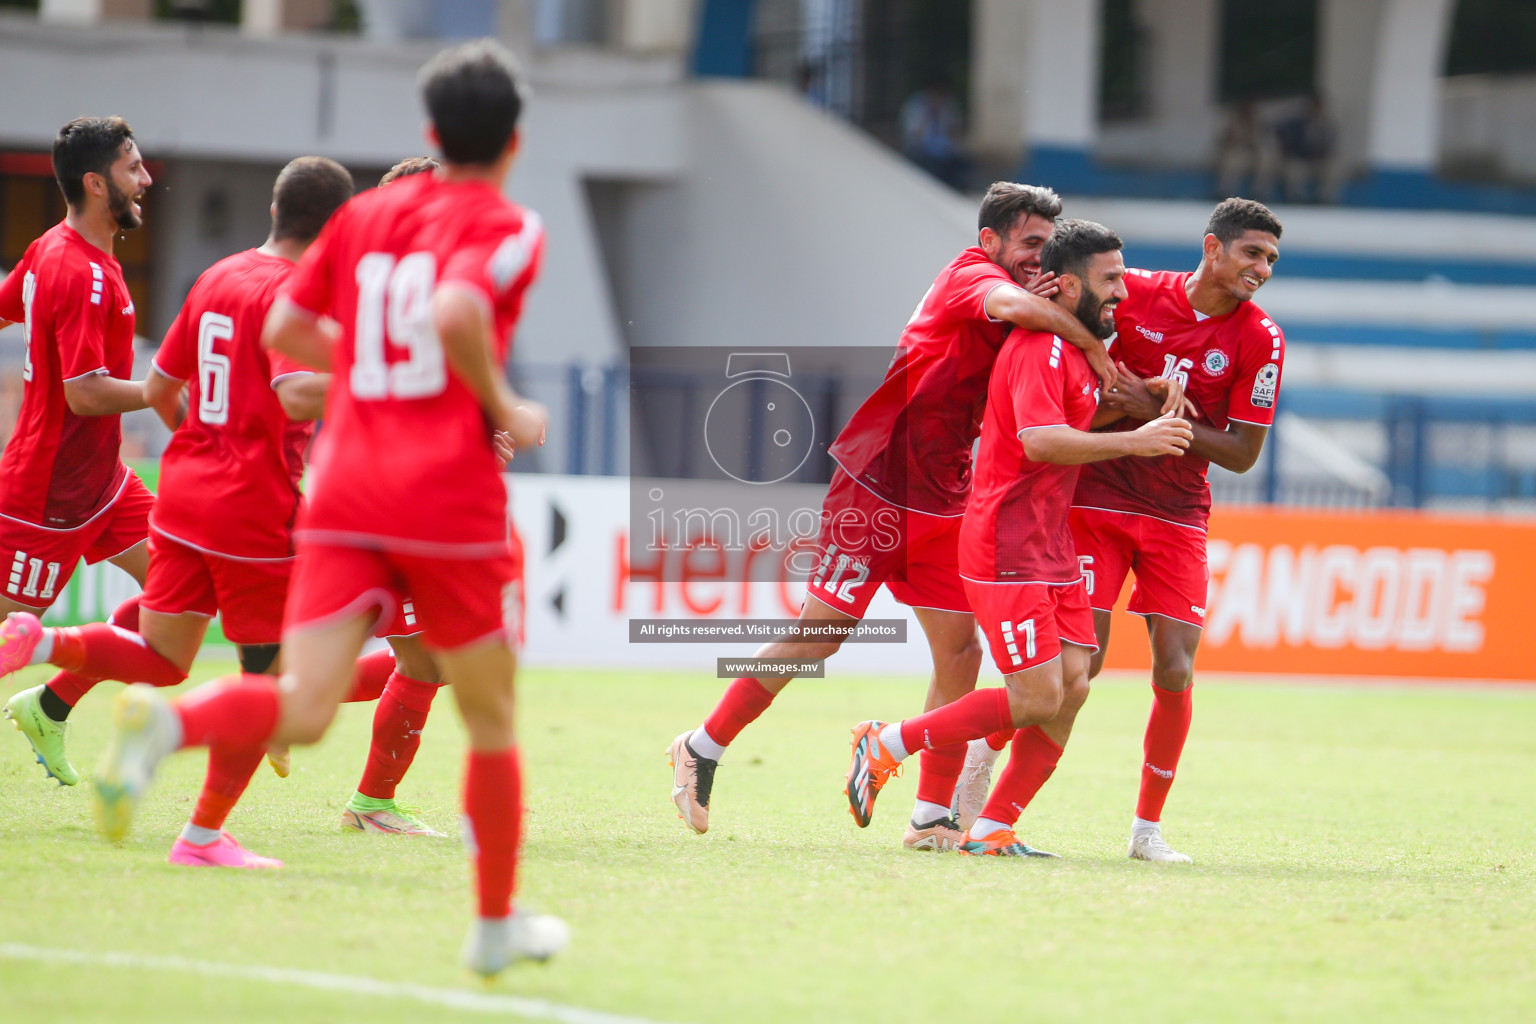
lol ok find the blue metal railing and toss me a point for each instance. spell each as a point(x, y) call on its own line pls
point(1425, 456)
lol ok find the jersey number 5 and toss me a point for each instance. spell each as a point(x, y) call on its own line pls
point(394, 301)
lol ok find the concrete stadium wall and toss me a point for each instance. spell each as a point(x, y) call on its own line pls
point(678, 212)
point(1490, 124)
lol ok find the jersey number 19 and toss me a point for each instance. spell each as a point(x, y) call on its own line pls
point(394, 301)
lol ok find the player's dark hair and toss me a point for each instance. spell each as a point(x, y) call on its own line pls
point(474, 95)
point(306, 193)
point(407, 167)
point(1234, 216)
point(87, 145)
point(1073, 244)
point(1006, 200)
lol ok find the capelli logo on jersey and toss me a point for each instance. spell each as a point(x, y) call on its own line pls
point(1156, 336)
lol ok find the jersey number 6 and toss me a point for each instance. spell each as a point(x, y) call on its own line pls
point(213, 369)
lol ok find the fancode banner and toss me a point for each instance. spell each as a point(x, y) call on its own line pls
point(1393, 593)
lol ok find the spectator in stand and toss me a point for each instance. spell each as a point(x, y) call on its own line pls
point(1307, 153)
point(1244, 153)
point(931, 124)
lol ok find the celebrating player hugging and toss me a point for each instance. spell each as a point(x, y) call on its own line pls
point(1021, 572)
point(1148, 516)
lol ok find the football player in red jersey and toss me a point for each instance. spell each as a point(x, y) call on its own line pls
point(892, 511)
point(426, 279)
point(1148, 517)
point(1021, 573)
point(64, 491)
point(221, 534)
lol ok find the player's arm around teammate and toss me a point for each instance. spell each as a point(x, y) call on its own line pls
point(1029, 305)
point(1021, 576)
point(1050, 695)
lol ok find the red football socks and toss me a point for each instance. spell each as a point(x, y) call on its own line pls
point(240, 712)
point(69, 687)
point(998, 740)
point(111, 652)
point(493, 803)
point(941, 769)
point(397, 725)
point(373, 672)
point(744, 700)
point(1167, 728)
point(974, 715)
point(1032, 761)
point(229, 772)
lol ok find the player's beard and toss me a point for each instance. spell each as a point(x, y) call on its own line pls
point(1090, 310)
point(120, 206)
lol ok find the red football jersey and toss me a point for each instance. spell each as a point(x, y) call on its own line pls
point(1231, 365)
point(910, 442)
point(1015, 527)
point(60, 470)
point(229, 479)
point(405, 461)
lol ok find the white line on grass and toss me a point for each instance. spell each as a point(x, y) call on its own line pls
point(475, 1002)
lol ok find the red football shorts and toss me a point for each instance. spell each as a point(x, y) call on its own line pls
point(1026, 623)
point(248, 595)
point(1168, 559)
point(406, 623)
point(457, 601)
point(40, 561)
point(866, 541)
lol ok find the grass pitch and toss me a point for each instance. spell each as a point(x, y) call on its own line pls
point(1362, 854)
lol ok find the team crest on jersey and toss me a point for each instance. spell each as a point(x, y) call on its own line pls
point(1265, 385)
point(1216, 362)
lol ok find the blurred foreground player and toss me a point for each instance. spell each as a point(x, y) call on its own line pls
point(64, 491)
point(892, 511)
point(426, 278)
point(1148, 517)
point(1016, 556)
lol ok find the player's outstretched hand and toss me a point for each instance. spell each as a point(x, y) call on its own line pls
point(1044, 285)
point(1165, 435)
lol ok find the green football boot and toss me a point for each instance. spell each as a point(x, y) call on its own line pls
point(46, 736)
